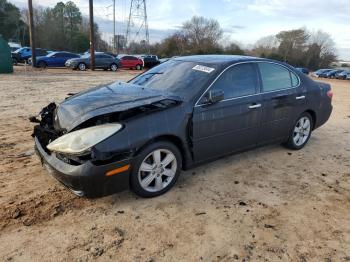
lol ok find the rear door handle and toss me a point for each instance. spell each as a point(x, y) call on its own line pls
point(254, 106)
point(300, 97)
point(280, 97)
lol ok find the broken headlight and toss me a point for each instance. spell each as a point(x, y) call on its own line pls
point(80, 141)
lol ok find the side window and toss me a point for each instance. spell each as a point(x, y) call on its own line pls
point(295, 79)
point(275, 77)
point(239, 80)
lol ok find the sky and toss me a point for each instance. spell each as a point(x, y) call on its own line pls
point(243, 21)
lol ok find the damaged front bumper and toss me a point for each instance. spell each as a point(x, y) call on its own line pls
point(86, 179)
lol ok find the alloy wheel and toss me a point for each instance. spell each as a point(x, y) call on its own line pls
point(114, 67)
point(157, 170)
point(82, 67)
point(302, 131)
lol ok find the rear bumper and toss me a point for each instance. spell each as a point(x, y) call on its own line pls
point(323, 115)
point(87, 179)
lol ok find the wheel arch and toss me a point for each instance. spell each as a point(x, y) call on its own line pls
point(313, 115)
point(175, 140)
point(42, 62)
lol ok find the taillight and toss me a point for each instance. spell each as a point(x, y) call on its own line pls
point(330, 94)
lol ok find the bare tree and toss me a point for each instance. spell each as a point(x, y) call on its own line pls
point(323, 40)
point(265, 46)
point(202, 34)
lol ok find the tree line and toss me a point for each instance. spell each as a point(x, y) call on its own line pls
point(64, 28)
point(59, 28)
point(200, 35)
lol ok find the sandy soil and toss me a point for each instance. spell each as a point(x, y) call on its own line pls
point(269, 204)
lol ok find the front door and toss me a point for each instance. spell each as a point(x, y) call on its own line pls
point(231, 124)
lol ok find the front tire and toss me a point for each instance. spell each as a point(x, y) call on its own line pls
point(156, 169)
point(301, 132)
point(82, 67)
point(138, 67)
point(42, 65)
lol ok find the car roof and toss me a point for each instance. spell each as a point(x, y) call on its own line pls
point(218, 59)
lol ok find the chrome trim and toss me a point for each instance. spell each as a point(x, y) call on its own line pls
point(300, 97)
point(246, 62)
point(254, 106)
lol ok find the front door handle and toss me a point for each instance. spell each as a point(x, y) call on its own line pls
point(254, 106)
point(300, 97)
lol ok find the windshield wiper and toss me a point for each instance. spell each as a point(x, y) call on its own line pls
point(154, 73)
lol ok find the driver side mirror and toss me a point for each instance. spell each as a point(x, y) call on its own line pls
point(214, 96)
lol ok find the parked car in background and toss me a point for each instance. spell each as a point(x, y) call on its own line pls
point(102, 61)
point(182, 113)
point(150, 61)
point(22, 54)
point(343, 75)
point(131, 62)
point(332, 74)
point(303, 70)
point(54, 59)
point(14, 46)
point(111, 54)
point(320, 72)
point(165, 59)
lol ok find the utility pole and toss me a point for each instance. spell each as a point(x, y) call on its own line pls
point(92, 37)
point(31, 32)
point(113, 26)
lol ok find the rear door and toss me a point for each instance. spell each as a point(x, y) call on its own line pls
point(231, 124)
point(281, 98)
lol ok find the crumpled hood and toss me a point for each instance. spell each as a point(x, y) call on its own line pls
point(100, 100)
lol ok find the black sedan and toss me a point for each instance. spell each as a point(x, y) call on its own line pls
point(102, 61)
point(184, 112)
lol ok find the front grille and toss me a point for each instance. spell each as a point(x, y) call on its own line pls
point(73, 160)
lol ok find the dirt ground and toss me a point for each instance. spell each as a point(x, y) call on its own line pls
point(268, 204)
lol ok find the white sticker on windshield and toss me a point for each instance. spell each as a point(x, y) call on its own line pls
point(204, 69)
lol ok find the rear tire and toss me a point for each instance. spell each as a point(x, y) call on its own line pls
point(301, 132)
point(114, 67)
point(156, 169)
point(14, 61)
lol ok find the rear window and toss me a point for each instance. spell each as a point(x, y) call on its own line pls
point(275, 77)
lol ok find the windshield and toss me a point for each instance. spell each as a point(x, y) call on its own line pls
point(20, 50)
point(182, 78)
point(85, 56)
point(51, 54)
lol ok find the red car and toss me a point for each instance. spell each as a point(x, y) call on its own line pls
point(131, 62)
